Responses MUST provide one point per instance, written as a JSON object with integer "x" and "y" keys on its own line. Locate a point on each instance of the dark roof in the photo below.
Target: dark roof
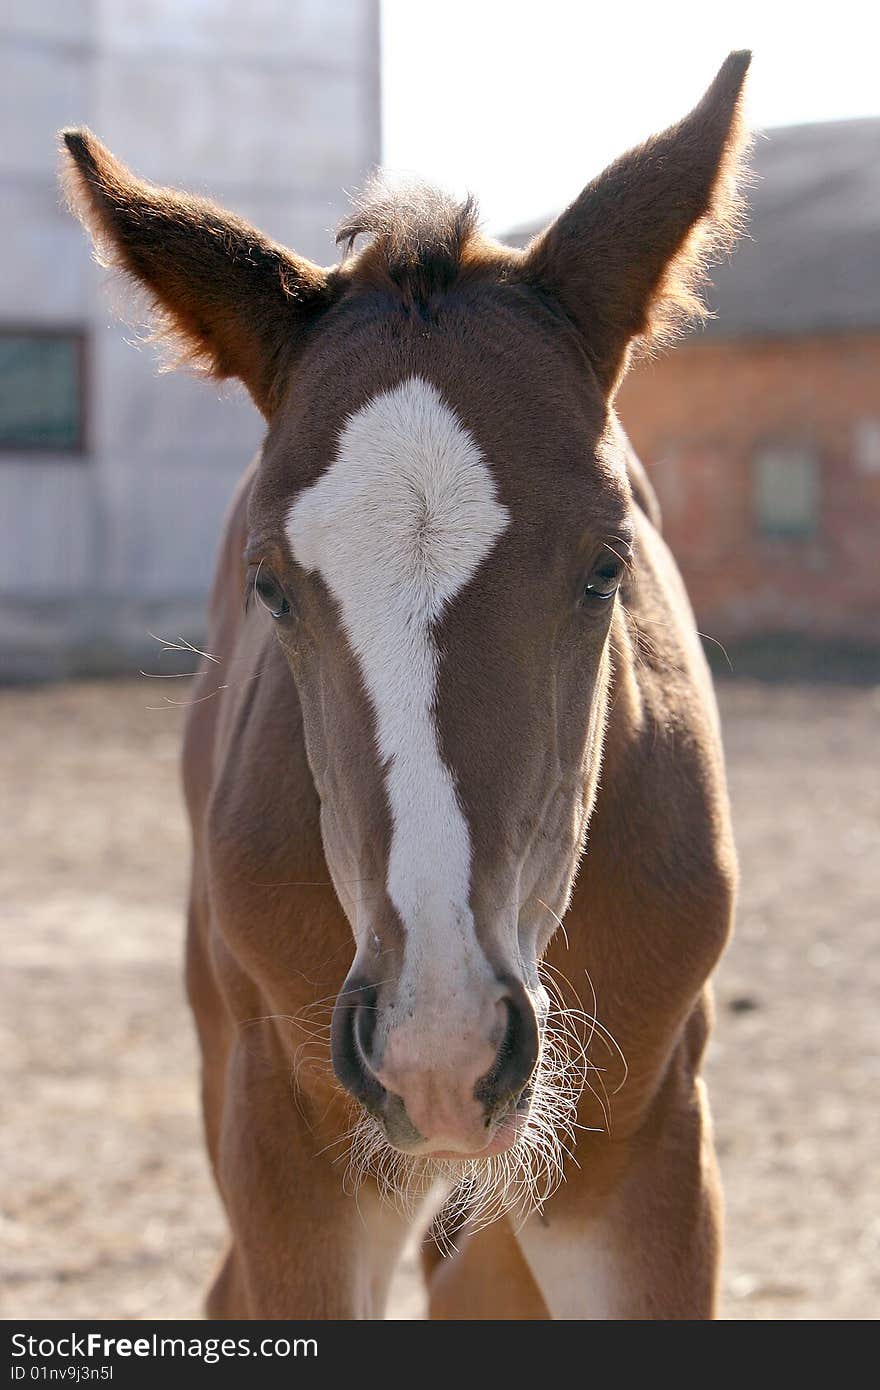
{"x": 811, "y": 260}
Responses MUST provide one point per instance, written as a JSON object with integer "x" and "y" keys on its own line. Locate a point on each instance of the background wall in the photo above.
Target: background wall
{"x": 766, "y": 457}
{"x": 270, "y": 107}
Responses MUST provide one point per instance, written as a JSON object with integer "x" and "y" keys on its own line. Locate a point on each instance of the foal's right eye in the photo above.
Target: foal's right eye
{"x": 270, "y": 592}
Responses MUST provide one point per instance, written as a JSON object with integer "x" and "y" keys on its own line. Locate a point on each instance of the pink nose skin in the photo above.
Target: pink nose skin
{"x": 503, "y": 1138}
{"x": 439, "y": 1100}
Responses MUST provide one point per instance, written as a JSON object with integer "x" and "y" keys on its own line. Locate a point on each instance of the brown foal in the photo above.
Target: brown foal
{"x": 462, "y": 699}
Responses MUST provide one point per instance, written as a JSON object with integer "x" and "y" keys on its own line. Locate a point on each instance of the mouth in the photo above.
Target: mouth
{"x": 503, "y": 1135}
{"x": 515, "y": 1164}
{"x": 506, "y": 1134}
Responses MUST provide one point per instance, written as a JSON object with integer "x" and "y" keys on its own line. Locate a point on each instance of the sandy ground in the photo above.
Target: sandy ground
{"x": 107, "y": 1207}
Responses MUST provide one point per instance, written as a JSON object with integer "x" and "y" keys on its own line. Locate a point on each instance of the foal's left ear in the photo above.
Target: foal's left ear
{"x": 628, "y": 257}
{"x": 230, "y": 301}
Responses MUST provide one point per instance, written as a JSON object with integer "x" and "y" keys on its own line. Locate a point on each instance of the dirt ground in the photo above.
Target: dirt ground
{"x": 107, "y": 1208}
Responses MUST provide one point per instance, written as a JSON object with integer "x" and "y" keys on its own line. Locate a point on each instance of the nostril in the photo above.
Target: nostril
{"x": 351, "y": 1035}
{"x": 507, "y": 1048}
{"x": 365, "y": 1026}
{"x": 517, "y": 1053}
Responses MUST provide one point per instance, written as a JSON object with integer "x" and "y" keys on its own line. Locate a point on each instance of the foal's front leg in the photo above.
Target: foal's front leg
{"x": 301, "y": 1246}
{"x": 649, "y": 1246}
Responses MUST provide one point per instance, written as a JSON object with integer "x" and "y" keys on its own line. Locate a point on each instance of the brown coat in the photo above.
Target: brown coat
{"x": 531, "y": 687}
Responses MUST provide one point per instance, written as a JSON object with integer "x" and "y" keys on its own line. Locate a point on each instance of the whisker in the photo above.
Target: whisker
{"x": 480, "y": 1191}
{"x": 557, "y": 919}
{"x": 182, "y": 645}
{"x": 706, "y": 638}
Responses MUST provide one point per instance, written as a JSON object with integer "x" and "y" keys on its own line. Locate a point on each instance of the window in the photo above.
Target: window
{"x": 786, "y": 490}
{"x": 42, "y": 391}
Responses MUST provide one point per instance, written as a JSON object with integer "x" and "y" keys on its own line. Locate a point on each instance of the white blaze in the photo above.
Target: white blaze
{"x": 396, "y": 526}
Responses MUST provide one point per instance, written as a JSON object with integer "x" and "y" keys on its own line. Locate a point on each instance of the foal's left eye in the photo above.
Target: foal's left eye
{"x": 270, "y": 593}
{"x": 604, "y": 581}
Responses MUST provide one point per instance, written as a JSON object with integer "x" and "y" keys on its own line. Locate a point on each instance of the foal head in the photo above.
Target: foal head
{"x": 440, "y": 528}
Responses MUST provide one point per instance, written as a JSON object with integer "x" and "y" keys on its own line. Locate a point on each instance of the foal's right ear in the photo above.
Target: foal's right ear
{"x": 232, "y": 302}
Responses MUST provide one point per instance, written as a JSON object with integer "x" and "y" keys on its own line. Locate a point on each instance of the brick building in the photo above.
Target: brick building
{"x": 762, "y": 432}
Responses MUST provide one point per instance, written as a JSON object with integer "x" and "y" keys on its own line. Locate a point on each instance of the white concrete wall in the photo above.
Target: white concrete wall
{"x": 271, "y": 108}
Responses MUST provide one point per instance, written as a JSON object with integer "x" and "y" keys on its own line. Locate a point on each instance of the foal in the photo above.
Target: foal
{"x": 457, "y": 658}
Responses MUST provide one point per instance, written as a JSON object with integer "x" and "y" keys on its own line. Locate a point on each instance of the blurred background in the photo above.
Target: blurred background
{"x": 762, "y": 436}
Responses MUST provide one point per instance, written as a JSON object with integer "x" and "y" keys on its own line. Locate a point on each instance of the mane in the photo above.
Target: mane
{"x": 420, "y": 238}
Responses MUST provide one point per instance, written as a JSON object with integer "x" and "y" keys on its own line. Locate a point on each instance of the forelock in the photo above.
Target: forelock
{"x": 419, "y": 237}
